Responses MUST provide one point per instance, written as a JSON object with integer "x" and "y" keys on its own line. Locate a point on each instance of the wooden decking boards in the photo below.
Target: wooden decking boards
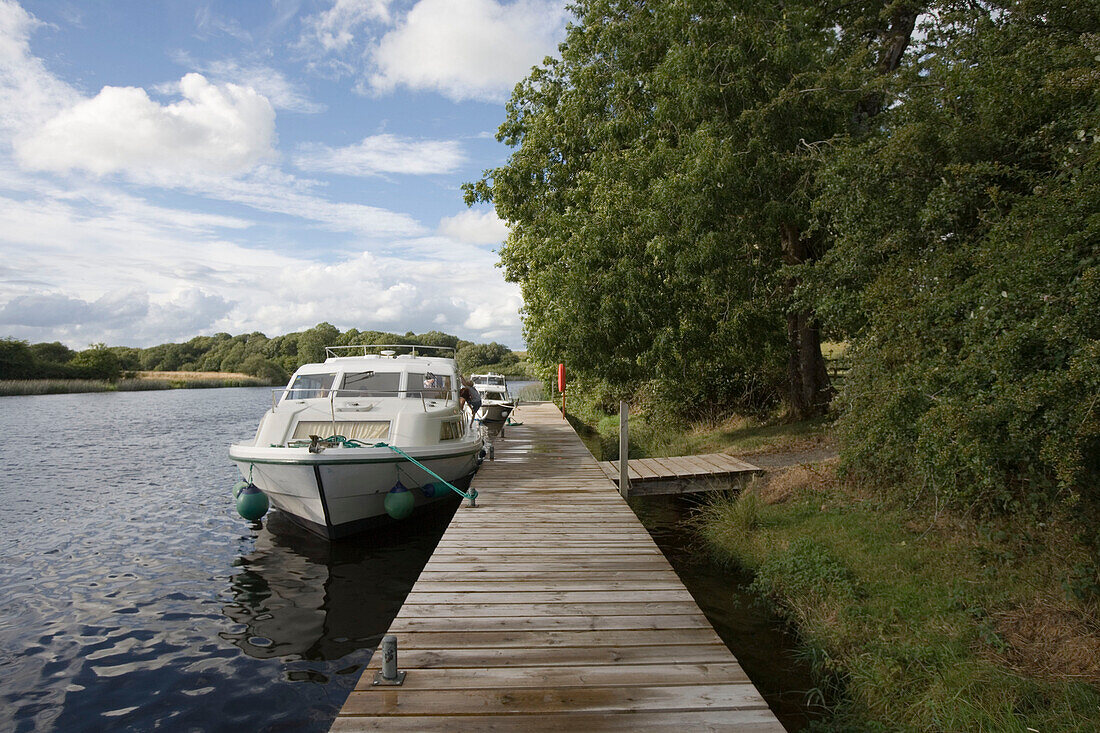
{"x": 549, "y": 607}
{"x": 680, "y": 474}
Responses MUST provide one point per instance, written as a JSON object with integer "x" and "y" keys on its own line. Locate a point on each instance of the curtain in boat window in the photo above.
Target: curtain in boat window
{"x": 450, "y": 430}
{"x": 364, "y": 430}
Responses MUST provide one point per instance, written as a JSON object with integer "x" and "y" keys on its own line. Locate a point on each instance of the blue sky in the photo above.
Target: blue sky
{"x": 169, "y": 169}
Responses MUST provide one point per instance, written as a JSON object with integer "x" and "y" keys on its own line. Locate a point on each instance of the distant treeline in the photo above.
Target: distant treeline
{"x": 255, "y": 354}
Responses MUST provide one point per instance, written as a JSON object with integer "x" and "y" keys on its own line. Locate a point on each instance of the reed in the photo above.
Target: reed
{"x": 13, "y": 387}
{"x": 10, "y": 387}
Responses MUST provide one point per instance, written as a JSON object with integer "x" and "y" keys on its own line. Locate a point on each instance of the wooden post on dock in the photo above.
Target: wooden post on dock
{"x": 561, "y": 386}
{"x": 624, "y": 448}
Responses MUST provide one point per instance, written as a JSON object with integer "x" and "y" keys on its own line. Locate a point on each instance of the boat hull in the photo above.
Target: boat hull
{"x": 494, "y": 412}
{"x": 342, "y": 492}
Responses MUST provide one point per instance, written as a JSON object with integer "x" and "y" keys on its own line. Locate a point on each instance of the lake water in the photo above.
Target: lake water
{"x": 132, "y": 596}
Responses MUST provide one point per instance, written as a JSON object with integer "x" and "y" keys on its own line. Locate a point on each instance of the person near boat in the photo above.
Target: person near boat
{"x": 470, "y": 396}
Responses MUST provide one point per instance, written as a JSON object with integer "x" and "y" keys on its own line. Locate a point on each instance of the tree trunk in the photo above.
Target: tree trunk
{"x": 810, "y": 389}
{"x": 894, "y": 39}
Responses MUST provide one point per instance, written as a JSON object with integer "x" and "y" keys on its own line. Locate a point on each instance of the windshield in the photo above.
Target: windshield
{"x": 370, "y": 384}
{"x": 308, "y": 386}
{"x": 432, "y": 386}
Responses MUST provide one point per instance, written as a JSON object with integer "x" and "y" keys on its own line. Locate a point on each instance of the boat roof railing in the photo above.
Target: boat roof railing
{"x": 446, "y": 352}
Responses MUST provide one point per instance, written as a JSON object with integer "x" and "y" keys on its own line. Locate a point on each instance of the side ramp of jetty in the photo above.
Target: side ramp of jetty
{"x": 549, "y": 607}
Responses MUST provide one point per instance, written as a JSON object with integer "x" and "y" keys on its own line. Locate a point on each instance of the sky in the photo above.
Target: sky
{"x": 175, "y": 168}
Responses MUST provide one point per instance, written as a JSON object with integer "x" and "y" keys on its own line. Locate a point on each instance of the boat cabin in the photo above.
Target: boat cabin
{"x": 367, "y": 397}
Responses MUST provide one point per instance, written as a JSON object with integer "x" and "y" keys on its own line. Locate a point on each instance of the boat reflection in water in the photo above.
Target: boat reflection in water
{"x": 300, "y": 597}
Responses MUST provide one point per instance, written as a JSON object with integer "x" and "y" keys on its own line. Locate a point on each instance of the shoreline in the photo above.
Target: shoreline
{"x": 201, "y": 380}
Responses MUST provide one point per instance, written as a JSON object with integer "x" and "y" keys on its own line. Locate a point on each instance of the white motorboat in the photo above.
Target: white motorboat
{"x": 496, "y": 403}
{"x": 333, "y": 452}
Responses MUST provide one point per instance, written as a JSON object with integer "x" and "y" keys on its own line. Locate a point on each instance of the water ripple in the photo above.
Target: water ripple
{"x": 133, "y": 597}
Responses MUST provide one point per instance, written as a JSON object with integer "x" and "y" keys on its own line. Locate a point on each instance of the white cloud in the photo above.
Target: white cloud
{"x": 140, "y": 275}
{"x": 215, "y": 130}
{"x": 128, "y": 318}
{"x": 462, "y": 294}
{"x": 475, "y": 227}
{"x": 29, "y": 94}
{"x": 268, "y": 189}
{"x": 208, "y": 22}
{"x": 88, "y": 256}
{"x": 385, "y": 153}
{"x": 335, "y": 28}
{"x": 467, "y": 49}
{"x": 265, "y": 80}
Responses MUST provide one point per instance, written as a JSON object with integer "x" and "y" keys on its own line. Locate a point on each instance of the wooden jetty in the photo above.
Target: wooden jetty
{"x": 549, "y": 607}
{"x": 680, "y": 474}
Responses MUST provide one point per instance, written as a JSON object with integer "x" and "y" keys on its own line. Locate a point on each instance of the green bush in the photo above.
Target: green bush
{"x": 98, "y": 362}
{"x": 966, "y": 270}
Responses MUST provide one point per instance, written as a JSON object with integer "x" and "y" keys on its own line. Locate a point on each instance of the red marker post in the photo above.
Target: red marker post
{"x": 561, "y": 387}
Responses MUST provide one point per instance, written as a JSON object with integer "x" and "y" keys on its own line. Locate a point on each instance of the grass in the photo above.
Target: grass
{"x": 162, "y": 380}
{"x": 918, "y": 621}
{"x": 652, "y": 437}
{"x": 914, "y": 618}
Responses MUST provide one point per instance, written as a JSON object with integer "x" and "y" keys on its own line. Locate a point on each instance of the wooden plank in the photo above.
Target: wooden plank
{"x": 654, "y": 608}
{"x": 584, "y": 639}
{"x": 720, "y": 465}
{"x": 663, "y": 469}
{"x": 469, "y": 657}
{"x": 718, "y": 462}
{"x": 685, "y": 466}
{"x": 701, "y": 467}
{"x": 576, "y": 676}
{"x": 731, "y": 464}
{"x": 645, "y": 468}
{"x": 545, "y": 623}
{"x": 547, "y": 596}
{"x": 543, "y": 576}
{"x": 554, "y": 699}
{"x": 549, "y": 607}
{"x": 474, "y": 569}
{"x": 601, "y": 585}
{"x": 743, "y": 721}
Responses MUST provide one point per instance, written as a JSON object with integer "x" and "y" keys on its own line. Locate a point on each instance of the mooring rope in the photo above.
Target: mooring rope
{"x": 353, "y": 443}
{"x": 471, "y": 495}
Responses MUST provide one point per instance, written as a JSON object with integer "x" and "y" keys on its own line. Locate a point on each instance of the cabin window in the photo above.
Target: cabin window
{"x": 499, "y": 396}
{"x": 431, "y": 385}
{"x": 450, "y": 430}
{"x": 308, "y": 386}
{"x": 361, "y": 430}
{"x": 370, "y": 384}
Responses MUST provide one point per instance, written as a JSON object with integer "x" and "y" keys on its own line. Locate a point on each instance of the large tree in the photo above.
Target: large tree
{"x": 662, "y": 183}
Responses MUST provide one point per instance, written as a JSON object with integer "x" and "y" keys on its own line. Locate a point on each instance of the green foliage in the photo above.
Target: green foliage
{"x": 268, "y": 359}
{"x": 966, "y": 268}
{"x": 655, "y": 163}
{"x": 472, "y": 356}
{"x": 312, "y": 343}
{"x": 98, "y": 362}
{"x": 16, "y": 359}
{"x": 805, "y": 569}
{"x": 52, "y": 353}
